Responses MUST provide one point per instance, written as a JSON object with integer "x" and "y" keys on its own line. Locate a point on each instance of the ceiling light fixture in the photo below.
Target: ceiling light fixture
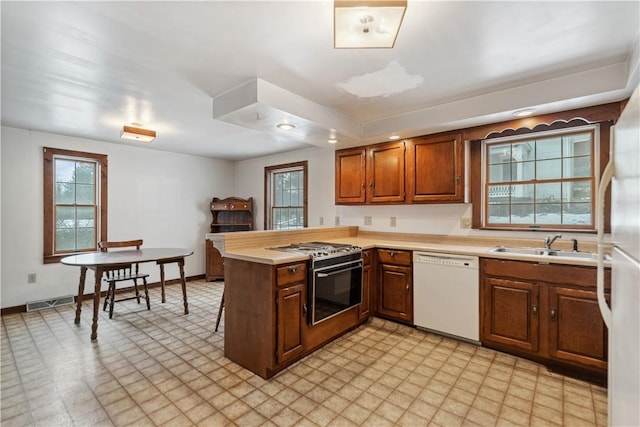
{"x": 332, "y": 141}
{"x": 285, "y": 126}
{"x": 394, "y": 137}
{"x": 361, "y": 24}
{"x": 137, "y": 134}
{"x": 523, "y": 113}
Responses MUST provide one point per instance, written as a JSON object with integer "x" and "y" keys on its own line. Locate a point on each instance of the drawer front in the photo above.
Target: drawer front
{"x": 293, "y": 273}
{"x": 239, "y": 206}
{"x": 392, "y": 256}
{"x": 219, "y": 206}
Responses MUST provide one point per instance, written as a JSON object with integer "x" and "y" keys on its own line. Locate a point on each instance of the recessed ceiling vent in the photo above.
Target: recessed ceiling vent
{"x": 265, "y": 107}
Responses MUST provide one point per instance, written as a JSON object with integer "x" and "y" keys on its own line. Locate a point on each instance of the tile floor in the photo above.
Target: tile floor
{"x": 164, "y": 368}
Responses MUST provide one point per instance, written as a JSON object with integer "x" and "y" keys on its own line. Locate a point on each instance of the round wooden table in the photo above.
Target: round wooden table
{"x": 98, "y": 261}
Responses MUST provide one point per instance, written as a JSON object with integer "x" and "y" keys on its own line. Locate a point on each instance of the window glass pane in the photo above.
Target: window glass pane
{"x": 65, "y": 239}
{"x": 523, "y": 151}
{"x": 500, "y": 172}
{"x": 523, "y": 171}
{"x": 500, "y": 194}
{"x": 522, "y": 193}
{"x": 577, "y": 145}
{"x": 500, "y": 153}
{"x": 548, "y": 213}
{"x": 576, "y": 167}
{"x": 294, "y": 179}
{"x": 548, "y": 193}
{"x": 577, "y": 191}
{"x": 499, "y": 214}
{"x": 86, "y": 238}
{"x": 85, "y": 173}
{"x": 522, "y": 213}
{"x": 576, "y": 213}
{"x": 548, "y": 169}
{"x": 549, "y": 148}
{"x": 65, "y": 217}
{"x": 65, "y": 170}
{"x": 85, "y": 194}
{"x": 85, "y": 217}
{"x": 65, "y": 194}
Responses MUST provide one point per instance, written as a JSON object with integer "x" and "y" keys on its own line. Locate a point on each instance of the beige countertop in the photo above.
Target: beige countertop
{"x": 268, "y": 256}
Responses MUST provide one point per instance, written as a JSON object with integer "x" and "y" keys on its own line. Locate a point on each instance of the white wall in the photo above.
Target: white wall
{"x": 158, "y": 196}
{"x": 444, "y": 219}
{"x": 320, "y": 167}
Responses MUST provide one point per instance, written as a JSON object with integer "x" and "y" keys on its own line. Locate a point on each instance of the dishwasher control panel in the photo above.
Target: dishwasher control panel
{"x": 445, "y": 259}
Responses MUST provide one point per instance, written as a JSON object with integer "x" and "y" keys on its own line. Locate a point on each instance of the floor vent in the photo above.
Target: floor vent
{"x": 55, "y": 302}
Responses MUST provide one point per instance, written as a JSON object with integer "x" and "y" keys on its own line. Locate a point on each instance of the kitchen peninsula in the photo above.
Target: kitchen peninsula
{"x": 266, "y": 297}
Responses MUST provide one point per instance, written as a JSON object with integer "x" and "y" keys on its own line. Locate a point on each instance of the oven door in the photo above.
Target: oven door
{"x": 334, "y": 289}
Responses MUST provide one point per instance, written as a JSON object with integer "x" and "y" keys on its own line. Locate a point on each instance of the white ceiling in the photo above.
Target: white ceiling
{"x": 87, "y": 68}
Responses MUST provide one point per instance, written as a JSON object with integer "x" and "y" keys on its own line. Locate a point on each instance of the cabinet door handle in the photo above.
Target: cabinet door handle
{"x": 534, "y": 310}
{"x": 553, "y": 314}
{"x": 458, "y": 179}
{"x": 293, "y": 269}
{"x": 363, "y": 185}
{"x": 371, "y": 184}
{"x": 392, "y": 253}
{"x": 406, "y": 287}
{"x": 304, "y": 310}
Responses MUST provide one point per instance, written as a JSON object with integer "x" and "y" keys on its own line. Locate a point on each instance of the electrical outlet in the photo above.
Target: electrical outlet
{"x": 321, "y": 220}
{"x": 465, "y": 222}
{"x": 392, "y": 221}
{"x": 367, "y": 220}
{"x": 31, "y": 278}
{"x": 337, "y": 221}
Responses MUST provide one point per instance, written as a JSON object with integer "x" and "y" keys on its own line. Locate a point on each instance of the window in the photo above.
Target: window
{"x": 75, "y": 202}
{"x": 541, "y": 181}
{"x": 286, "y": 196}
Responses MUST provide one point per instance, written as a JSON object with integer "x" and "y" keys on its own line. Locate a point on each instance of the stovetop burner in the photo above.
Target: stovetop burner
{"x": 319, "y": 250}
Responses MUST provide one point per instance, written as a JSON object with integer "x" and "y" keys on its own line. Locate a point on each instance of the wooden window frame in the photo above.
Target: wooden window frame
{"x": 268, "y": 173}
{"x": 605, "y": 115}
{"x": 49, "y": 254}
{"x": 593, "y": 179}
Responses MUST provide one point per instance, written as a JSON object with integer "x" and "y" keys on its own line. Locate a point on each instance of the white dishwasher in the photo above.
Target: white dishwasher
{"x": 446, "y": 294}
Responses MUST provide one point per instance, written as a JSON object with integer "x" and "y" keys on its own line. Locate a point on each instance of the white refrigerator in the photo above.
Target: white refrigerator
{"x": 623, "y": 317}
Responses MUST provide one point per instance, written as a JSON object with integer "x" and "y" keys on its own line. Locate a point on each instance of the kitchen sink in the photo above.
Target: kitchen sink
{"x": 522, "y": 251}
{"x": 547, "y": 252}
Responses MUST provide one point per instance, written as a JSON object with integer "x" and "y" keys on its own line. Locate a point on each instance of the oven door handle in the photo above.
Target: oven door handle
{"x": 322, "y": 275}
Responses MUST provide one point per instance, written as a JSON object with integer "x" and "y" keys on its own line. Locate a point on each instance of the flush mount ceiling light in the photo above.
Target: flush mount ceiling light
{"x": 137, "y": 134}
{"x": 361, "y": 24}
{"x": 394, "y": 137}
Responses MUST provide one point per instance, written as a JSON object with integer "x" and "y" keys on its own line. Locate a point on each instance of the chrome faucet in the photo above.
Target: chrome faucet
{"x": 549, "y": 240}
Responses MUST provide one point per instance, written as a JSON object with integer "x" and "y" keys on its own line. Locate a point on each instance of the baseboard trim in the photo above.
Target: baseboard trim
{"x": 23, "y": 308}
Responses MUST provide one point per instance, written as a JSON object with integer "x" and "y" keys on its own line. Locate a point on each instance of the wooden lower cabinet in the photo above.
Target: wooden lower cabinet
{"x": 266, "y": 327}
{"x": 394, "y": 296}
{"x": 576, "y": 331}
{"x": 511, "y": 313}
{"x": 291, "y": 318}
{"x": 546, "y": 312}
{"x": 214, "y": 265}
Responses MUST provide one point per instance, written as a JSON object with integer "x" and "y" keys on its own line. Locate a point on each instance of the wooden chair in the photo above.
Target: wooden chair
{"x": 220, "y": 311}
{"x": 123, "y": 273}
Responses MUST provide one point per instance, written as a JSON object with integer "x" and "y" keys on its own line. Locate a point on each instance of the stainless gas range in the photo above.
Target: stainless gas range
{"x": 335, "y": 277}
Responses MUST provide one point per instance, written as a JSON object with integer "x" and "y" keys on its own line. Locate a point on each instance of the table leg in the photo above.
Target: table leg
{"x": 96, "y": 304}
{"x": 184, "y": 285}
{"x": 83, "y": 275}
{"x": 162, "y": 281}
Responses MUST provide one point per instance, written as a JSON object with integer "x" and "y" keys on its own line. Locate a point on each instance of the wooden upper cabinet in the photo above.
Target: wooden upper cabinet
{"x": 385, "y": 171}
{"x": 350, "y": 175}
{"x": 435, "y": 169}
